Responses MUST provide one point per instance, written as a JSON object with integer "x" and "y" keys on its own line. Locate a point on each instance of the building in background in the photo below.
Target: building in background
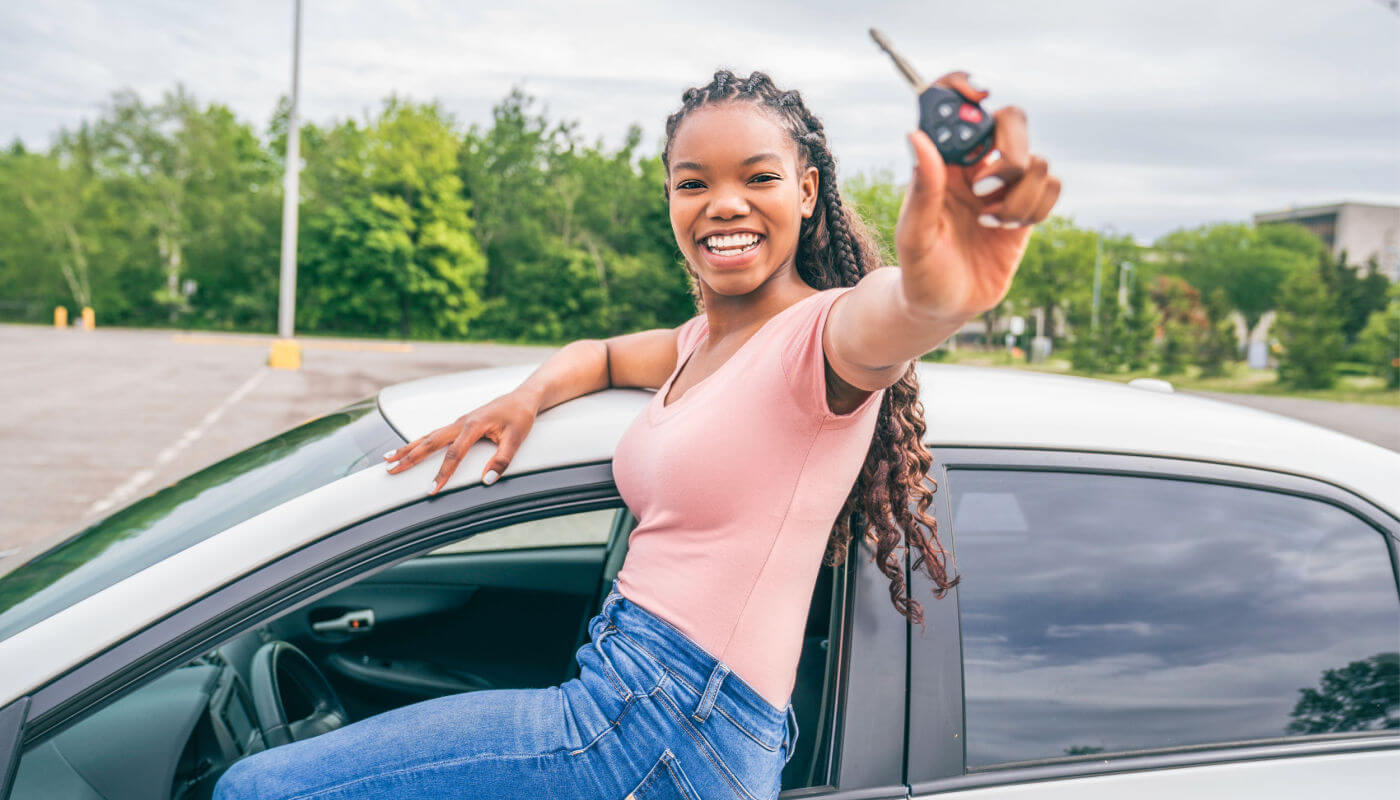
{"x": 1362, "y": 230}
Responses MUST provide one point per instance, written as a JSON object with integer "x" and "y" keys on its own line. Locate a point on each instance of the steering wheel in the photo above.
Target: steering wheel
{"x": 281, "y": 672}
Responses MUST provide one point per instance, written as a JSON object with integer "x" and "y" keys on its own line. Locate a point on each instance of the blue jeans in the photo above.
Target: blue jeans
{"x": 651, "y": 715}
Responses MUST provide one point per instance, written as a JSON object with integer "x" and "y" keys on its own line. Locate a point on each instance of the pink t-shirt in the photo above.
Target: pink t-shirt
{"x": 736, "y": 486}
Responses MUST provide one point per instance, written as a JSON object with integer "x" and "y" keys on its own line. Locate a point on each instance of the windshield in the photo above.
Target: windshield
{"x": 193, "y": 509}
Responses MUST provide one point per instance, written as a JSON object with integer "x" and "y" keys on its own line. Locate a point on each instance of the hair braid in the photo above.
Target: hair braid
{"x": 890, "y": 498}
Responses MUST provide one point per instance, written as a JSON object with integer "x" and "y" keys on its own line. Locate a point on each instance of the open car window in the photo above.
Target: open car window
{"x": 586, "y": 528}
{"x": 193, "y": 509}
{"x": 448, "y": 620}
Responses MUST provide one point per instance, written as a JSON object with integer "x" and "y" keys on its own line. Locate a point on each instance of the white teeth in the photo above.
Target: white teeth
{"x": 733, "y": 251}
{"x": 731, "y": 241}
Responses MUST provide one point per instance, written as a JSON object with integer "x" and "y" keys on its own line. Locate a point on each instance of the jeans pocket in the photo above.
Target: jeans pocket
{"x": 665, "y": 781}
{"x": 749, "y": 767}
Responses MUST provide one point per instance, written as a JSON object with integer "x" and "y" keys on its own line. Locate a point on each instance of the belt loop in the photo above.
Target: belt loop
{"x": 707, "y": 700}
{"x": 611, "y": 600}
{"x": 613, "y": 674}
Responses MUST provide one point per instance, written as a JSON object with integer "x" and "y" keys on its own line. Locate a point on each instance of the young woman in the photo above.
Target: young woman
{"x": 786, "y": 418}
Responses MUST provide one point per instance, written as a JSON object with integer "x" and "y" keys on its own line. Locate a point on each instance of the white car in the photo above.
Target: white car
{"x": 1162, "y": 596}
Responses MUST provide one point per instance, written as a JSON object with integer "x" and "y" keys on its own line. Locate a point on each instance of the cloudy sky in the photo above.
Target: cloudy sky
{"x": 1156, "y": 115}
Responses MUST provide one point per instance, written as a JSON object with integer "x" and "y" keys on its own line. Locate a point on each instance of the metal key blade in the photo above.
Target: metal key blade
{"x": 904, "y": 67}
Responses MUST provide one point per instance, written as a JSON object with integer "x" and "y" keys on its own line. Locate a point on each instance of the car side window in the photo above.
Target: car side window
{"x": 1114, "y": 614}
{"x": 583, "y": 528}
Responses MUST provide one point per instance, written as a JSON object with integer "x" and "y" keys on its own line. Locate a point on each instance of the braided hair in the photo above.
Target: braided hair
{"x": 889, "y": 500}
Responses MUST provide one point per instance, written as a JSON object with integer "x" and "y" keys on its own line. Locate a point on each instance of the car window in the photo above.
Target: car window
{"x": 193, "y": 509}
{"x": 1107, "y": 614}
{"x": 585, "y": 528}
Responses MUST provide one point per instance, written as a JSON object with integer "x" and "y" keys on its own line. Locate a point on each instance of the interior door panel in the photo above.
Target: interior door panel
{"x": 452, "y": 622}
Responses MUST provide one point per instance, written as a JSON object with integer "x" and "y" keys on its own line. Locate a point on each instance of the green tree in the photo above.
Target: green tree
{"x": 1183, "y": 319}
{"x": 1310, "y": 331}
{"x": 389, "y": 241}
{"x": 232, "y": 221}
{"x": 578, "y": 238}
{"x": 44, "y": 244}
{"x": 1362, "y": 696}
{"x": 1218, "y": 345}
{"x": 1250, "y": 264}
{"x": 877, "y": 199}
{"x": 1356, "y": 297}
{"x": 1141, "y": 319}
{"x": 1057, "y": 271}
{"x": 1380, "y": 339}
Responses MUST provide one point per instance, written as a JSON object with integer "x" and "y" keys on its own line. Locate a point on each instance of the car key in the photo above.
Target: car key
{"x": 960, "y": 129}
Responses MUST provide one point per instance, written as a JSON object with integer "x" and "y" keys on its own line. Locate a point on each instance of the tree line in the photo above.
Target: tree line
{"x": 169, "y": 214}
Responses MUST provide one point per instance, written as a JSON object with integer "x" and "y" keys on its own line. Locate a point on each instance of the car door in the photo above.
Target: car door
{"x": 1132, "y": 626}
{"x": 852, "y": 674}
{"x": 292, "y": 581}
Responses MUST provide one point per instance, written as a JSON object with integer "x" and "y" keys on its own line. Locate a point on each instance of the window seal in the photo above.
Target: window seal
{"x": 1216, "y": 755}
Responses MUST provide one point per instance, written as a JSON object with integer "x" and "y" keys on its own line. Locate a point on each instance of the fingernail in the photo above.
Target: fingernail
{"x": 1010, "y": 224}
{"x": 989, "y": 221}
{"x": 491, "y": 476}
{"x": 432, "y": 488}
{"x": 987, "y": 185}
{"x": 388, "y": 455}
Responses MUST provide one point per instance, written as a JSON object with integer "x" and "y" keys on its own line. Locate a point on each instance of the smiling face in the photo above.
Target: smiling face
{"x": 734, "y": 169}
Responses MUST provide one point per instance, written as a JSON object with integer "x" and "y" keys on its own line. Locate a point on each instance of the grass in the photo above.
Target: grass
{"x": 1238, "y": 378}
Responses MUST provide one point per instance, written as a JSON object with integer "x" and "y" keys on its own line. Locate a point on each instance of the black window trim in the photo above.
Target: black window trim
{"x": 866, "y": 750}
{"x": 937, "y": 714}
{"x": 11, "y": 731}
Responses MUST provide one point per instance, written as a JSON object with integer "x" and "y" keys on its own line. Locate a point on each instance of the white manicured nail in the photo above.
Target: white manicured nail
{"x": 987, "y": 185}
{"x": 989, "y": 221}
{"x": 386, "y": 455}
{"x": 491, "y": 476}
{"x": 1010, "y": 224}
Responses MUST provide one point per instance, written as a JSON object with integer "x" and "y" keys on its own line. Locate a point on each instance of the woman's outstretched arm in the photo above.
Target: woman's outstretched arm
{"x": 960, "y": 237}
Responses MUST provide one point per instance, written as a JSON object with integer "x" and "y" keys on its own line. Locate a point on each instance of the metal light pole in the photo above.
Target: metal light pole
{"x": 286, "y": 353}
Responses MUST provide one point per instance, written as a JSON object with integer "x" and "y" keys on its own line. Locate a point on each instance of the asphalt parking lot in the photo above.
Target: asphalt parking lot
{"x": 96, "y": 419}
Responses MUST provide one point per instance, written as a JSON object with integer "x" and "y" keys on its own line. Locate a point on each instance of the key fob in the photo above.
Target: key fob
{"x": 959, "y": 128}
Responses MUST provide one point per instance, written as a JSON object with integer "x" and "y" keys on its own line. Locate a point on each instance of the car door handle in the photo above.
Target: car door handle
{"x": 361, "y": 621}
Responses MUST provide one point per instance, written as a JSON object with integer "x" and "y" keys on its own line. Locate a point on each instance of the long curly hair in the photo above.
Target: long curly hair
{"x": 889, "y": 500}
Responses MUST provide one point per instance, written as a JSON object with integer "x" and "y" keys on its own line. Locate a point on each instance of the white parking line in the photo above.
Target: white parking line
{"x": 134, "y": 484}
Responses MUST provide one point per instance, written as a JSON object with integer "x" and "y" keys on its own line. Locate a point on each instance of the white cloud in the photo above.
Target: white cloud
{"x": 1155, "y": 115}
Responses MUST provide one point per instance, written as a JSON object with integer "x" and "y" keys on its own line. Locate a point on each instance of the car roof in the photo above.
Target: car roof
{"x": 1000, "y": 407}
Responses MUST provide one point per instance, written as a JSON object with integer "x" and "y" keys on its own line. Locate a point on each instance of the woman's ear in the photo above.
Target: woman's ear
{"x": 811, "y": 182}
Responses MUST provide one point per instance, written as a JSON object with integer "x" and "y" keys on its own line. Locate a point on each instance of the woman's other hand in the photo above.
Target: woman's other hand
{"x": 507, "y": 420}
{"x": 962, "y": 230}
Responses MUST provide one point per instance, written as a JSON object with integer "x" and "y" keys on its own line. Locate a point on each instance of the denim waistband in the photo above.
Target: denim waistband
{"x": 706, "y": 675}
